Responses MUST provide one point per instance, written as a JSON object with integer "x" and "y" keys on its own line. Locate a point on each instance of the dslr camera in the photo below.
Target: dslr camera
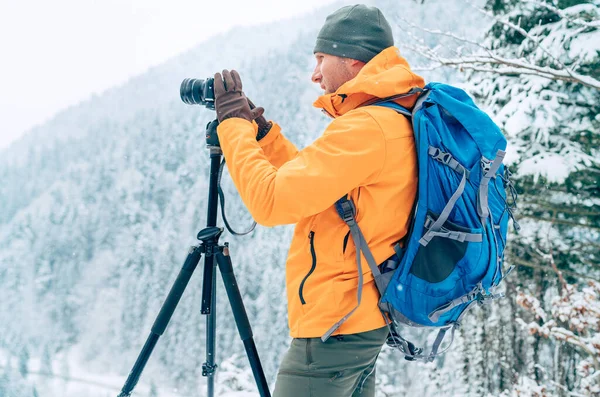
{"x": 198, "y": 92}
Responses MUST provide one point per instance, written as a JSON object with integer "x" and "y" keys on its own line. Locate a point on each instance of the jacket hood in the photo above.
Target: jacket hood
{"x": 387, "y": 74}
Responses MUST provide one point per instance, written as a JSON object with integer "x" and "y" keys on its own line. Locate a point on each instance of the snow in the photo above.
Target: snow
{"x": 554, "y": 167}
{"x": 99, "y": 207}
{"x": 74, "y": 380}
{"x": 585, "y": 47}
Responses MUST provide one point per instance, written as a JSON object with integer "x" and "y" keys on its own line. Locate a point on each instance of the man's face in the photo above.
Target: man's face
{"x": 331, "y": 72}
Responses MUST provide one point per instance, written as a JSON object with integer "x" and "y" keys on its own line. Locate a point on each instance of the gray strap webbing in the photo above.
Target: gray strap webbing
{"x": 404, "y": 112}
{"x": 434, "y": 316}
{"x": 359, "y": 298}
{"x": 482, "y": 198}
{"x": 446, "y": 158}
{"x": 436, "y": 345}
{"x": 361, "y": 246}
{"x": 400, "y": 343}
{"x": 453, "y": 234}
{"x": 437, "y": 225}
{"x": 458, "y": 236}
{"x": 420, "y": 101}
{"x": 358, "y": 237}
{"x": 413, "y": 91}
{"x": 438, "y": 341}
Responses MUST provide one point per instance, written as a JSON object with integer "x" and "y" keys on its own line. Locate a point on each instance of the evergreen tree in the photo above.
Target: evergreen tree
{"x": 24, "y": 361}
{"x": 553, "y": 126}
{"x": 538, "y": 73}
{"x": 544, "y": 91}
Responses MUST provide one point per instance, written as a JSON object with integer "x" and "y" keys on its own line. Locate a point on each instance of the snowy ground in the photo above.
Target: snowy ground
{"x": 78, "y": 382}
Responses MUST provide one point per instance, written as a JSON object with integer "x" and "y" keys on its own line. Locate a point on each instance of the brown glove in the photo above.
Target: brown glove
{"x": 264, "y": 126}
{"x": 230, "y": 100}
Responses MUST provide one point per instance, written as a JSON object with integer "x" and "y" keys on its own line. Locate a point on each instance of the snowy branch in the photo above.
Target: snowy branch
{"x": 508, "y": 66}
{"x": 522, "y": 31}
{"x": 488, "y": 61}
{"x": 563, "y": 15}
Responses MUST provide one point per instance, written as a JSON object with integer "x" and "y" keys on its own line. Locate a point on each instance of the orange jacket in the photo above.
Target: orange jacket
{"x": 367, "y": 152}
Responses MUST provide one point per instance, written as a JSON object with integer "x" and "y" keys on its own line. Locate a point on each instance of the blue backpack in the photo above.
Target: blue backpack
{"x": 452, "y": 256}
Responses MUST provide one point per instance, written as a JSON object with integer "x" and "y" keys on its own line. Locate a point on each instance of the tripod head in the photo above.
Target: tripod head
{"x": 212, "y": 139}
{"x": 210, "y": 234}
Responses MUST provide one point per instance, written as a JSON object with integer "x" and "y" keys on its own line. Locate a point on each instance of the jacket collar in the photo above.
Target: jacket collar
{"x": 387, "y": 74}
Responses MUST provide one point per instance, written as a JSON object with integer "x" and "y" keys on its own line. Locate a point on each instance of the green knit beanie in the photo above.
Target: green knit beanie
{"x": 357, "y": 32}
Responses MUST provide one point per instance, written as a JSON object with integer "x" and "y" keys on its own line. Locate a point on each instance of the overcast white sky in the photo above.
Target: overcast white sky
{"x": 69, "y": 46}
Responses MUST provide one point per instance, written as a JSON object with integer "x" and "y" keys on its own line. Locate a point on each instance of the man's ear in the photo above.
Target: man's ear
{"x": 356, "y": 62}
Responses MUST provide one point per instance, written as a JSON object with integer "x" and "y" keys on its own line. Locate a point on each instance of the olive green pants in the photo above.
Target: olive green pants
{"x": 344, "y": 366}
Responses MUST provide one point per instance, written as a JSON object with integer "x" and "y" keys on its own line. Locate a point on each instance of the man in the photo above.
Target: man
{"x": 367, "y": 153}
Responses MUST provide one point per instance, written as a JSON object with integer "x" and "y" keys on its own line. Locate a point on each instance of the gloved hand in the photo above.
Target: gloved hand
{"x": 230, "y": 100}
{"x": 264, "y": 126}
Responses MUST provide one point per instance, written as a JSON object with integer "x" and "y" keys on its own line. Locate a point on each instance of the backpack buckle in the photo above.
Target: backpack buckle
{"x": 346, "y": 210}
{"x": 485, "y": 165}
{"x": 484, "y": 299}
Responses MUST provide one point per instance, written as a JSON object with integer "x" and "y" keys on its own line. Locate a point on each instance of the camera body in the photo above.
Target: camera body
{"x": 198, "y": 92}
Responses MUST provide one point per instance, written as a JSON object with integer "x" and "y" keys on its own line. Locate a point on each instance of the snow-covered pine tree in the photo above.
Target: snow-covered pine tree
{"x": 538, "y": 74}
{"x": 551, "y": 118}
{"x": 542, "y": 70}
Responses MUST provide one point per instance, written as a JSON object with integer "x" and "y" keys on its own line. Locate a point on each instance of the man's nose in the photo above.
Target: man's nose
{"x": 316, "y": 76}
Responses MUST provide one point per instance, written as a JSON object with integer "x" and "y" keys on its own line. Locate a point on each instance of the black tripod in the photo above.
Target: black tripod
{"x": 211, "y": 249}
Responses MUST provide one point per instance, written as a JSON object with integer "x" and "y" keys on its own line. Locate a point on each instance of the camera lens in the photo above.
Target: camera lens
{"x": 191, "y": 91}
{"x": 198, "y": 92}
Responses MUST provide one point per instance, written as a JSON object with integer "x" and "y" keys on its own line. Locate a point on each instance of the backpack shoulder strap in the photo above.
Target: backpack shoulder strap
{"x": 347, "y": 211}
{"x": 393, "y": 105}
{"x": 389, "y": 102}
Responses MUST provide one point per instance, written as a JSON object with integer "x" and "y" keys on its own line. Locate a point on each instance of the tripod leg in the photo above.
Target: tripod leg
{"x": 209, "y": 367}
{"x": 241, "y": 320}
{"x": 163, "y": 318}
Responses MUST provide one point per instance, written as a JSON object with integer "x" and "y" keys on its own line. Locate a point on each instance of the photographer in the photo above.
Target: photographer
{"x": 367, "y": 153}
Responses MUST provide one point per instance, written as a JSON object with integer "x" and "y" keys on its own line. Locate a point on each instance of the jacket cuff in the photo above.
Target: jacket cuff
{"x": 273, "y": 133}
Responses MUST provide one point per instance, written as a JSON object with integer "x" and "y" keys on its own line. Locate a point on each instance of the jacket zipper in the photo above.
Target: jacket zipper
{"x": 345, "y": 242}
{"x": 311, "y": 236}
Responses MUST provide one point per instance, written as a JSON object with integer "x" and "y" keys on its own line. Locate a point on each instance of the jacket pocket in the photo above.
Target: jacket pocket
{"x": 313, "y": 254}
{"x": 312, "y": 374}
